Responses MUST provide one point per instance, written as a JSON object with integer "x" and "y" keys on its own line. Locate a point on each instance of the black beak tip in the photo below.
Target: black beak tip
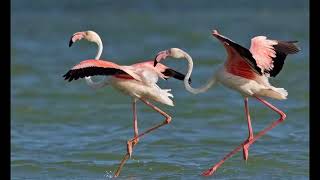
{"x": 155, "y": 62}
{"x": 70, "y": 43}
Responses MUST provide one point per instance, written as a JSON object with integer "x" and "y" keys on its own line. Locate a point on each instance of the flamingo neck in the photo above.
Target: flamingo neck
{"x": 96, "y": 85}
{"x": 100, "y": 49}
{"x": 202, "y": 89}
{"x": 99, "y": 84}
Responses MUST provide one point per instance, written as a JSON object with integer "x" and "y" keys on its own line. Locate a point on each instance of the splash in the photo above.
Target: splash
{"x": 108, "y": 175}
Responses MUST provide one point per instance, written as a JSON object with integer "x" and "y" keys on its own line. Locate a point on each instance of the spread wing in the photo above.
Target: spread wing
{"x": 242, "y": 51}
{"x": 265, "y": 56}
{"x": 270, "y": 54}
{"x": 94, "y": 67}
{"x": 162, "y": 70}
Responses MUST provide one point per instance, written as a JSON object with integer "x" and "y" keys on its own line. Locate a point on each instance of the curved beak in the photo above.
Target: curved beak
{"x": 76, "y": 37}
{"x": 155, "y": 62}
{"x": 70, "y": 42}
{"x": 161, "y": 56}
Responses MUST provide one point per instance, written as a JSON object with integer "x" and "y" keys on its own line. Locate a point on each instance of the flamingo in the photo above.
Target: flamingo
{"x": 138, "y": 81}
{"x": 245, "y": 71}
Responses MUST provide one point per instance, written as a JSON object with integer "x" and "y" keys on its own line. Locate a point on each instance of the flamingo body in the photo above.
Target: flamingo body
{"x": 245, "y": 71}
{"x": 141, "y": 90}
{"x": 259, "y": 86}
{"x": 137, "y": 80}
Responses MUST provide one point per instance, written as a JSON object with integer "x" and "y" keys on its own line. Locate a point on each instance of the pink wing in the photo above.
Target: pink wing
{"x": 95, "y": 63}
{"x": 93, "y": 67}
{"x": 162, "y": 70}
{"x": 262, "y": 50}
{"x": 149, "y": 64}
{"x": 265, "y": 56}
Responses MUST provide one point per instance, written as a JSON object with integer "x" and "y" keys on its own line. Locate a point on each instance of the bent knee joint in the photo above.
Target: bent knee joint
{"x": 282, "y": 116}
{"x": 168, "y": 120}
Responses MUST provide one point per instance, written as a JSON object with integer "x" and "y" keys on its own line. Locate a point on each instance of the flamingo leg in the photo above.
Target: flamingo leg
{"x": 246, "y": 145}
{"x": 135, "y": 120}
{"x": 136, "y": 132}
{"x": 211, "y": 170}
{"x": 123, "y": 161}
{"x": 166, "y": 121}
{"x": 130, "y": 143}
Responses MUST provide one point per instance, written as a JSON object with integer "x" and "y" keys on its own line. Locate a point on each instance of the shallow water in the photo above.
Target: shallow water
{"x": 62, "y": 130}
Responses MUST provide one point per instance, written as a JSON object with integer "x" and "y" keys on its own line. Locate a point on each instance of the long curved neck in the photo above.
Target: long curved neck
{"x": 202, "y": 89}
{"x": 100, "y": 49}
{"x": 96, "y": 85}
{"x": 99, "y": 84}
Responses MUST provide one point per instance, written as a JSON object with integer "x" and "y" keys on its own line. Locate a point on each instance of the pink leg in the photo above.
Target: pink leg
{"x": 135, "y": 120}
{"x": 261, "y": 133}
{"x": 136, "y": 132}
{"x": 130, "y": 143}
{"x": 246, "y": 146}
{"x": 166, "y": 121}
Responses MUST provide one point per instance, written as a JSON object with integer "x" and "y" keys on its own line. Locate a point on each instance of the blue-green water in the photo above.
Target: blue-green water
{"x": 62, "y": 130}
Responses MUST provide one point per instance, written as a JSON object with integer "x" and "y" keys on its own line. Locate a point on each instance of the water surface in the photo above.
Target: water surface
{"x": 62, "y": 130}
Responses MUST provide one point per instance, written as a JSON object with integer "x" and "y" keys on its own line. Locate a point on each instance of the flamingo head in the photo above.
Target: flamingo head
{"x": 172, "y": 52}
{"x": 87, "y": 35}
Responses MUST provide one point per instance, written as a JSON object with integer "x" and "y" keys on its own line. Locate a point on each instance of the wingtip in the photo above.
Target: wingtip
{"x": 296, "y": 45}
{"x": 298, "y": 48}
{"x": 66, "y": 78}
{"x": 293, "y": 46}
{"x": 215, "y": 32}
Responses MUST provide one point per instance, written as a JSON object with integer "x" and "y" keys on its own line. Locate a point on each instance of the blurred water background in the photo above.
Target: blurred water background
{"x": 62, "y": 130}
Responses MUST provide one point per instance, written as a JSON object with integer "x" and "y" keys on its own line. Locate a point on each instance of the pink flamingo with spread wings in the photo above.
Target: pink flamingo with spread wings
{"x": 138, "y": 81}
{"x": 246, "y": 71}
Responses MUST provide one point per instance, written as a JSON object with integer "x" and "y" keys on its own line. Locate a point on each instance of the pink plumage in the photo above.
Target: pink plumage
{"x": 263, "y": 51}
{"x": 137, "y": 80}
{"x": 247, "y": 72}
